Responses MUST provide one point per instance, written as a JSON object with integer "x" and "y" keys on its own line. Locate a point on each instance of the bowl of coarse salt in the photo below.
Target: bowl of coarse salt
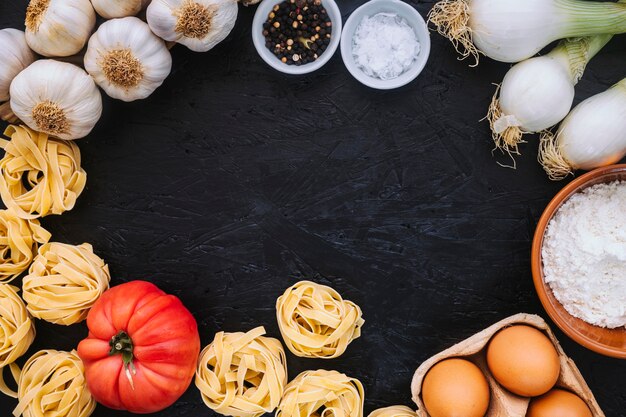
{"x": 385, "y": 44}
{"x": 579, "y": 260}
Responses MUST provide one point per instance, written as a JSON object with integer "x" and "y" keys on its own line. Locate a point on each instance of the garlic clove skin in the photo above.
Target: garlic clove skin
{"x": 15, "y": 55}
{"x": 126, "y": 59}
{"x": 111, "y": 9}
{"x": 56, "y": 98}
{"x": 59, "y": 27}
{"x": 197, "y": 24}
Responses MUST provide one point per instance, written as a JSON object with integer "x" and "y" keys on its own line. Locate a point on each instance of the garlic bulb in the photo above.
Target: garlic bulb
{"x": 56, "y": 98}
{"x": 126, "y": 59}
{"x": 197, "y": 24}
{"x": 110, "y": 9}
{"x": 59, "y": 27}
{"x": 15, "y": 55}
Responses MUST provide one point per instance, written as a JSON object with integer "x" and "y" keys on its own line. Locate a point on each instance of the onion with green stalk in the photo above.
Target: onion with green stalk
{"x": 591, "y": 136}
{"x": 514, "y": 30}
{"x": 537, "y": 93}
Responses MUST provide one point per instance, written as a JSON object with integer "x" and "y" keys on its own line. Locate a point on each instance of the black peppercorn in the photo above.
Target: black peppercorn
{"x": 298, "y": 31}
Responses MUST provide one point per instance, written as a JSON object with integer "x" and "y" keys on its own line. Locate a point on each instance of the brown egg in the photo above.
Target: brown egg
{"x": 523, "y": 360}
{"x": 455, "y": 388}
{"x": 558, "y": 403}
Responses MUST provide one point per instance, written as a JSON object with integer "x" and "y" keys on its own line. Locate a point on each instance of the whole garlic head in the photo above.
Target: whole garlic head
{"x": 56, "y": 98}
{"x": 59, "y": 27}
{"x": 110, "y": 9}
{"x": 15, "y": 55}
{"x": 126, "y": 59}
{"x": 197, "y": 24}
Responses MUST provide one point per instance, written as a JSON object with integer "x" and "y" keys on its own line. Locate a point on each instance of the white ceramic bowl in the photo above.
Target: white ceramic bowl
{"x": 413, "y": 18}
{"x": 260, "y": 17}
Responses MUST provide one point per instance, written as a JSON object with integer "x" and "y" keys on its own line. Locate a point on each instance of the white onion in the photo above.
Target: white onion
{"x": 591, "y": 136}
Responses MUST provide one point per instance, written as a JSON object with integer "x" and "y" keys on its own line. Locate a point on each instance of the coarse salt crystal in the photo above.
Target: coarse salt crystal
{"x": 384, "y": 46}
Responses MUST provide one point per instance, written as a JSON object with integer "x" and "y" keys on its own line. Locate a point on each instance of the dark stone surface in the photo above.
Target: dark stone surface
{"x": 233, "y": 181}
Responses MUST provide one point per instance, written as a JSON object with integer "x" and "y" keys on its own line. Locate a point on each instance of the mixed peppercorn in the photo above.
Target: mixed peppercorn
{"x": 298, "y": 31}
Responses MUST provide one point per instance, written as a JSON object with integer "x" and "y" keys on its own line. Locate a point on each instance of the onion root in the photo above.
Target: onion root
{"x": 551, "y": 158}
{"x": 508, "y": 140}
{"x": 451, "y": 17}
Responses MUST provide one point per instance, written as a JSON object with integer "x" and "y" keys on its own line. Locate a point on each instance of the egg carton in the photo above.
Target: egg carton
{"x": 504, "y": 403}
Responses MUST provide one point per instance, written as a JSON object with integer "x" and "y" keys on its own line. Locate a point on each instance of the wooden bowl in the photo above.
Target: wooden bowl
{"x": 609, "y": 342}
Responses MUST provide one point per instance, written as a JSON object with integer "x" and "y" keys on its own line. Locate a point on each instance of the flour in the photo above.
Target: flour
{"x": 384, "y": 46}
{"x": 584, "y": 255}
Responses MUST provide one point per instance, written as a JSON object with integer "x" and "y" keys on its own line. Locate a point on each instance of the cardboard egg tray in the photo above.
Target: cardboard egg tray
{"x": 504, "y": 403}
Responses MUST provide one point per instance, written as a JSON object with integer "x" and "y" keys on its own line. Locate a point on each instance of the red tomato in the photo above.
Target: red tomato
{"x": 142, "y": 348}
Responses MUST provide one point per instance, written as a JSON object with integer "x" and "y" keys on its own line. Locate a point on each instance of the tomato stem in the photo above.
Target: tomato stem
{"x": 122, "y": 344}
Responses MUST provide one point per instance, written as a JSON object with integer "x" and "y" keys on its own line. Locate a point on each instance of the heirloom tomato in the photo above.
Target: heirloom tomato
{"x": 142, "y": 348}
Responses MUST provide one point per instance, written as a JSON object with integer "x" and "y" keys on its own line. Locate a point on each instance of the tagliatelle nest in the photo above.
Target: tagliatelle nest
{"x": 52, "y": 383}
{"x": 19, "y": 239}
{"x": 64, "y": 282}
{"x": 242, "y": 374}
{"x": 393, "y": 411}
{"x": 17, "y": 331}
{"x": 322, "y": 393}
{"x": 316, "y": 322}
{"x": 39, "y": 175}
{"x": 451, "y": 17}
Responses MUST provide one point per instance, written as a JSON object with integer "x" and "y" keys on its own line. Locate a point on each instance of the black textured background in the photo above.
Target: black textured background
{"x": 233, "y": 181}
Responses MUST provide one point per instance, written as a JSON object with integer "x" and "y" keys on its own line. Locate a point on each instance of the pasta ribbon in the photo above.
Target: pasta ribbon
{"x": 242, "y": 374}
{"x": 17, "y": 331}
{"x": 64, "y": 282}
{"x": 52, "y": 383}
{"x": 39, "y": 175}
{"x": 316, "y": 322}
{"x": 393, "y": 411}
{"x": 19, "y": 240}
{"x": 322, "y": 394}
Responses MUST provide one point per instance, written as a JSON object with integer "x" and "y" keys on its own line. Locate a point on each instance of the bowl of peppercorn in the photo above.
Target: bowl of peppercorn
{"x": 297, "y": 36}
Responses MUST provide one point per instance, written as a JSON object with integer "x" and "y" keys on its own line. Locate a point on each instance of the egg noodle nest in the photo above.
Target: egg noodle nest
{"x": 64, "y": 282}
{"x": 242, "y": 374}
{"x": 19, "y": 240}
{"x": 316, "y": 322}
{"x": 40, "y": 175}
{"x": 322, "y": 393}
{"x": 17, "y": 332}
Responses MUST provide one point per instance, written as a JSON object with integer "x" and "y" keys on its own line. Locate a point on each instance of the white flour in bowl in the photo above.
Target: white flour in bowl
{"x": 584, "y": 255}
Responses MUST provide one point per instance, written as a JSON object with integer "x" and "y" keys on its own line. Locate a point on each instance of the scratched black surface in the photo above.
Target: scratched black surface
{"x": 233, "y": 181}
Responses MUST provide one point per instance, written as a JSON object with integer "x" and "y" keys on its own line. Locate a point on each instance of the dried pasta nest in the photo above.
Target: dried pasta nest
{"x": 52, "y": 383}
{"x": 17, "y": 331}
{"x": 393, "y": 411}
{"x": 39, "y": 175}
{"x": 242, "y": 374}
{"x": 316, "y": 322}
{"x": 322, "y": 394}
{"x": 19, "y": 239}
{"x": 64, "y": 282}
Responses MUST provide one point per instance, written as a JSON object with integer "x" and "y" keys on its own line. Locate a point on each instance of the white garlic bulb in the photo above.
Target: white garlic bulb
{"x": 56, "y": 98}
{"x": 15, "y": 55}
{"x": 126, "y": 59}
{"x": 110, "y": 9}
{"x": 197, "y": 24}
{"x": 59, "y": 27}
